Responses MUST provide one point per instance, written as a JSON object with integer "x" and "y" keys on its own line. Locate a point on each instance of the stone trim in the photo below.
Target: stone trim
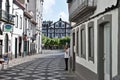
{"x": 90, "y": 25}
{"x": 103, "y": 20}
{"x": 82, "y": 28}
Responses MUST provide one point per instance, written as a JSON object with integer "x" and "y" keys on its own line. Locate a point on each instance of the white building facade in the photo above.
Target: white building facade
{"x": 20, "y": 29}
{"x": 17, "y": 33}
{"x": 95, "y": 38}
{"x": 39, "y": 18}
{"x": 6, "y": 25}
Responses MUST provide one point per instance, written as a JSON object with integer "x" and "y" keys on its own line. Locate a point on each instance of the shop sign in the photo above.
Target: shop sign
{"x": 7, "y": 27}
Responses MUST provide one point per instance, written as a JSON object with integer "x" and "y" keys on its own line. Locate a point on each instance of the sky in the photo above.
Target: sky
{"x": 54, "y": 9}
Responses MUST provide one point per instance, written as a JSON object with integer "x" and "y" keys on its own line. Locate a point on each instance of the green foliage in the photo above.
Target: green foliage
{"x": 44, "y": 39}
{"x": 65, "y": 40}
{"x": 55, "y": 41}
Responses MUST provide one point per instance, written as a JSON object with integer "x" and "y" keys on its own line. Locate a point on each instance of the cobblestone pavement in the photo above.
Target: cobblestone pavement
{"x": 50, "y": 67}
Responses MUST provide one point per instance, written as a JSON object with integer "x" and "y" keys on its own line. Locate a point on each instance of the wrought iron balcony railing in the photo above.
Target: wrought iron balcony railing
{"x": 79, "y": 7}
{"x": 5, "y": 16}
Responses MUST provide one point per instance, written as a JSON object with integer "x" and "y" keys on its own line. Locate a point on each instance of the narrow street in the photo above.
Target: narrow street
{"x": 46, "y": 66}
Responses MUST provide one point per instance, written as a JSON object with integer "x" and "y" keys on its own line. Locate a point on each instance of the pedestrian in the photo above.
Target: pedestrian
{"x": 66, "y": 56}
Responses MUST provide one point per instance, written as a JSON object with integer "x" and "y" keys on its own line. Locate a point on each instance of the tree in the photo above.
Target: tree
{"x": 65, "y": 40}
{"x": 60, "y": 42}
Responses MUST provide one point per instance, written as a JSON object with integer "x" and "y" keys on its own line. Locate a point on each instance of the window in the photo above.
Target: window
{"x": 26, "y": 6}
{"x": 20, "y": 22}
{"x": 59, "y": 24}
{"x": 0, "y": 4}
{"x": 83, "y": 42}
{"x": 56, "y": 25}
{"x": 16, "y": 21}
{"x": 77, "y": 43}
{"x": 7, "y": 6}
{"x": 91, "y": 41}
{"x": 63, "y": 25}
{"x": 25, "y": 26}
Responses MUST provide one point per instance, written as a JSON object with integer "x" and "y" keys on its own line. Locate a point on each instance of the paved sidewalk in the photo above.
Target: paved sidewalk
{"x": 20, "y": 60}
{"x": 45, "y": 66}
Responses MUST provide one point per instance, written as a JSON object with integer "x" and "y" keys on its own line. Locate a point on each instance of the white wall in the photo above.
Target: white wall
{"x": 114, "y": 42}
{"x": 19, "y": 12}
{"x": 17, "y": 31}
{"x": 39, "y": 8}
{"x": 3, "y": 23}
{"x": 102, "y": 4}
{"x": 89, "y": 64}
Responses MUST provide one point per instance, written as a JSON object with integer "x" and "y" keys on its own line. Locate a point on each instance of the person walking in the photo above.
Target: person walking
{"x": 66, "y": 56}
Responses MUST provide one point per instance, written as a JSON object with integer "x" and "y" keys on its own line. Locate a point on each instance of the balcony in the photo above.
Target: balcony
{"x": 6, "y": 17}
{"x": 80, "y": 9}
{"x": 28, "y": 14}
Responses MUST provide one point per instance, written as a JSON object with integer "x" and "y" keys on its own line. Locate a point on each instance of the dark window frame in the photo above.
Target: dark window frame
{"x": 7, "y": 6}
{"x": 17, "y": 21}
{"x": 90, "y": 41}
{"x": 21, "y": 22}
{"x": 0, "y": 4}
{"x": 83, "y": 53}
{"x": 77, "y": 42}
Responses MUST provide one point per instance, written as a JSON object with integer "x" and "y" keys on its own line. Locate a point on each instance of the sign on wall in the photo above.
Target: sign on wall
{"x": 7, "y": 27}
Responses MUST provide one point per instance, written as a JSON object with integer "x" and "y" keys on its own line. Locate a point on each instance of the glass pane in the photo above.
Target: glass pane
{"x": 83, "y": 42}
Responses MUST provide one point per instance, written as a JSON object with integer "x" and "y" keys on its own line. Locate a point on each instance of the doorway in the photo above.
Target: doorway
{"x": 104, "y": 51}
{"x": 73, "y": 44}
{"x": 15, "y": 47}
{"x": 6, "y": 43}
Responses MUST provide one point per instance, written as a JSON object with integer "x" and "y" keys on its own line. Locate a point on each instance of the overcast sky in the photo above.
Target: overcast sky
{"x": 54, "y": 9}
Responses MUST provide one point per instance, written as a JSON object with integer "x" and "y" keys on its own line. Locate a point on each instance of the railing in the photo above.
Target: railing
{"x": 78, "y": 5}
{"x": 4, "y": 15}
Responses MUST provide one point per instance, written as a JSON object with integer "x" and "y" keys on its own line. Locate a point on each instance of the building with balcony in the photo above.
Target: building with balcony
{"x": 95, "y": 38}
{"x": 57, "y": 29}
{"x": 39, "y": 18}
{"x": 32, "y": 26}
{"x": 17, "y": 32}
{"x": 36, "y": 8}
{"x": 6, "y": 25}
